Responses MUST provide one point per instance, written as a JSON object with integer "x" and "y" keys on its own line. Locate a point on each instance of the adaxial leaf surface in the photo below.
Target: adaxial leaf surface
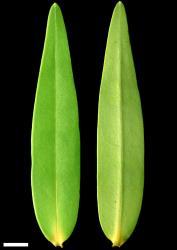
{"x": 55, "y": 137}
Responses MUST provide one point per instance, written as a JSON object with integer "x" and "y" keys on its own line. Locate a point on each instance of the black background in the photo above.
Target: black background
{"x": 22, "y": 27}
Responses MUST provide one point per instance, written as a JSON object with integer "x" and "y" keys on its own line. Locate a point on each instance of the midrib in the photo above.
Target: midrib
{"x": 118, "y": 230}
{"x": 55, "y": 110}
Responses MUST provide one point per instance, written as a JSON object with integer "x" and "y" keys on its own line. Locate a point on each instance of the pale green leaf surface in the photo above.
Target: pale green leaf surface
{"x": 55, "y": 137}
{"x": 120, "y": 139}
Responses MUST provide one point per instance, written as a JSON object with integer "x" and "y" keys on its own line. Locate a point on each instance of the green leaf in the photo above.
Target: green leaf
{"x": 120, "y": 139}
{"x": 55, "y": 137}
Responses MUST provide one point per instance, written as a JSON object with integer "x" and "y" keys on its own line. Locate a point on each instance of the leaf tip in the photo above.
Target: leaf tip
{"x": 120, "y": 3}
{"x": 55, "y": 7}
{"x": 120, "y": 6}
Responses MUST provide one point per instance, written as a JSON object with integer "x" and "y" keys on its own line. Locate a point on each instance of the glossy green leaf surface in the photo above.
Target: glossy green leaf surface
{"x": 120, "y": 136}
{"x": 55, "y": 137}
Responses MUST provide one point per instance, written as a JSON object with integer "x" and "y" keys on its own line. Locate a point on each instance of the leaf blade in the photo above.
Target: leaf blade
{"x": 55, "y": 137}
{"x": 120, "y": 143}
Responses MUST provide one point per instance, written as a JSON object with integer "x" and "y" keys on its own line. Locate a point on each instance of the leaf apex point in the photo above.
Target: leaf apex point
{"x": 120, "y": 4}
{"x": 55, "y": 5}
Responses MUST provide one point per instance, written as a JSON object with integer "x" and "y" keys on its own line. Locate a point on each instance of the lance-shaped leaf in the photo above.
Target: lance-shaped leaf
{"x": 120, "y": 143}
{"x": 55, "y": 137}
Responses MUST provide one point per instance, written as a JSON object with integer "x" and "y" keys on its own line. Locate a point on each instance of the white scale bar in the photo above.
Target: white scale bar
{"x": 15, "y": 244}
